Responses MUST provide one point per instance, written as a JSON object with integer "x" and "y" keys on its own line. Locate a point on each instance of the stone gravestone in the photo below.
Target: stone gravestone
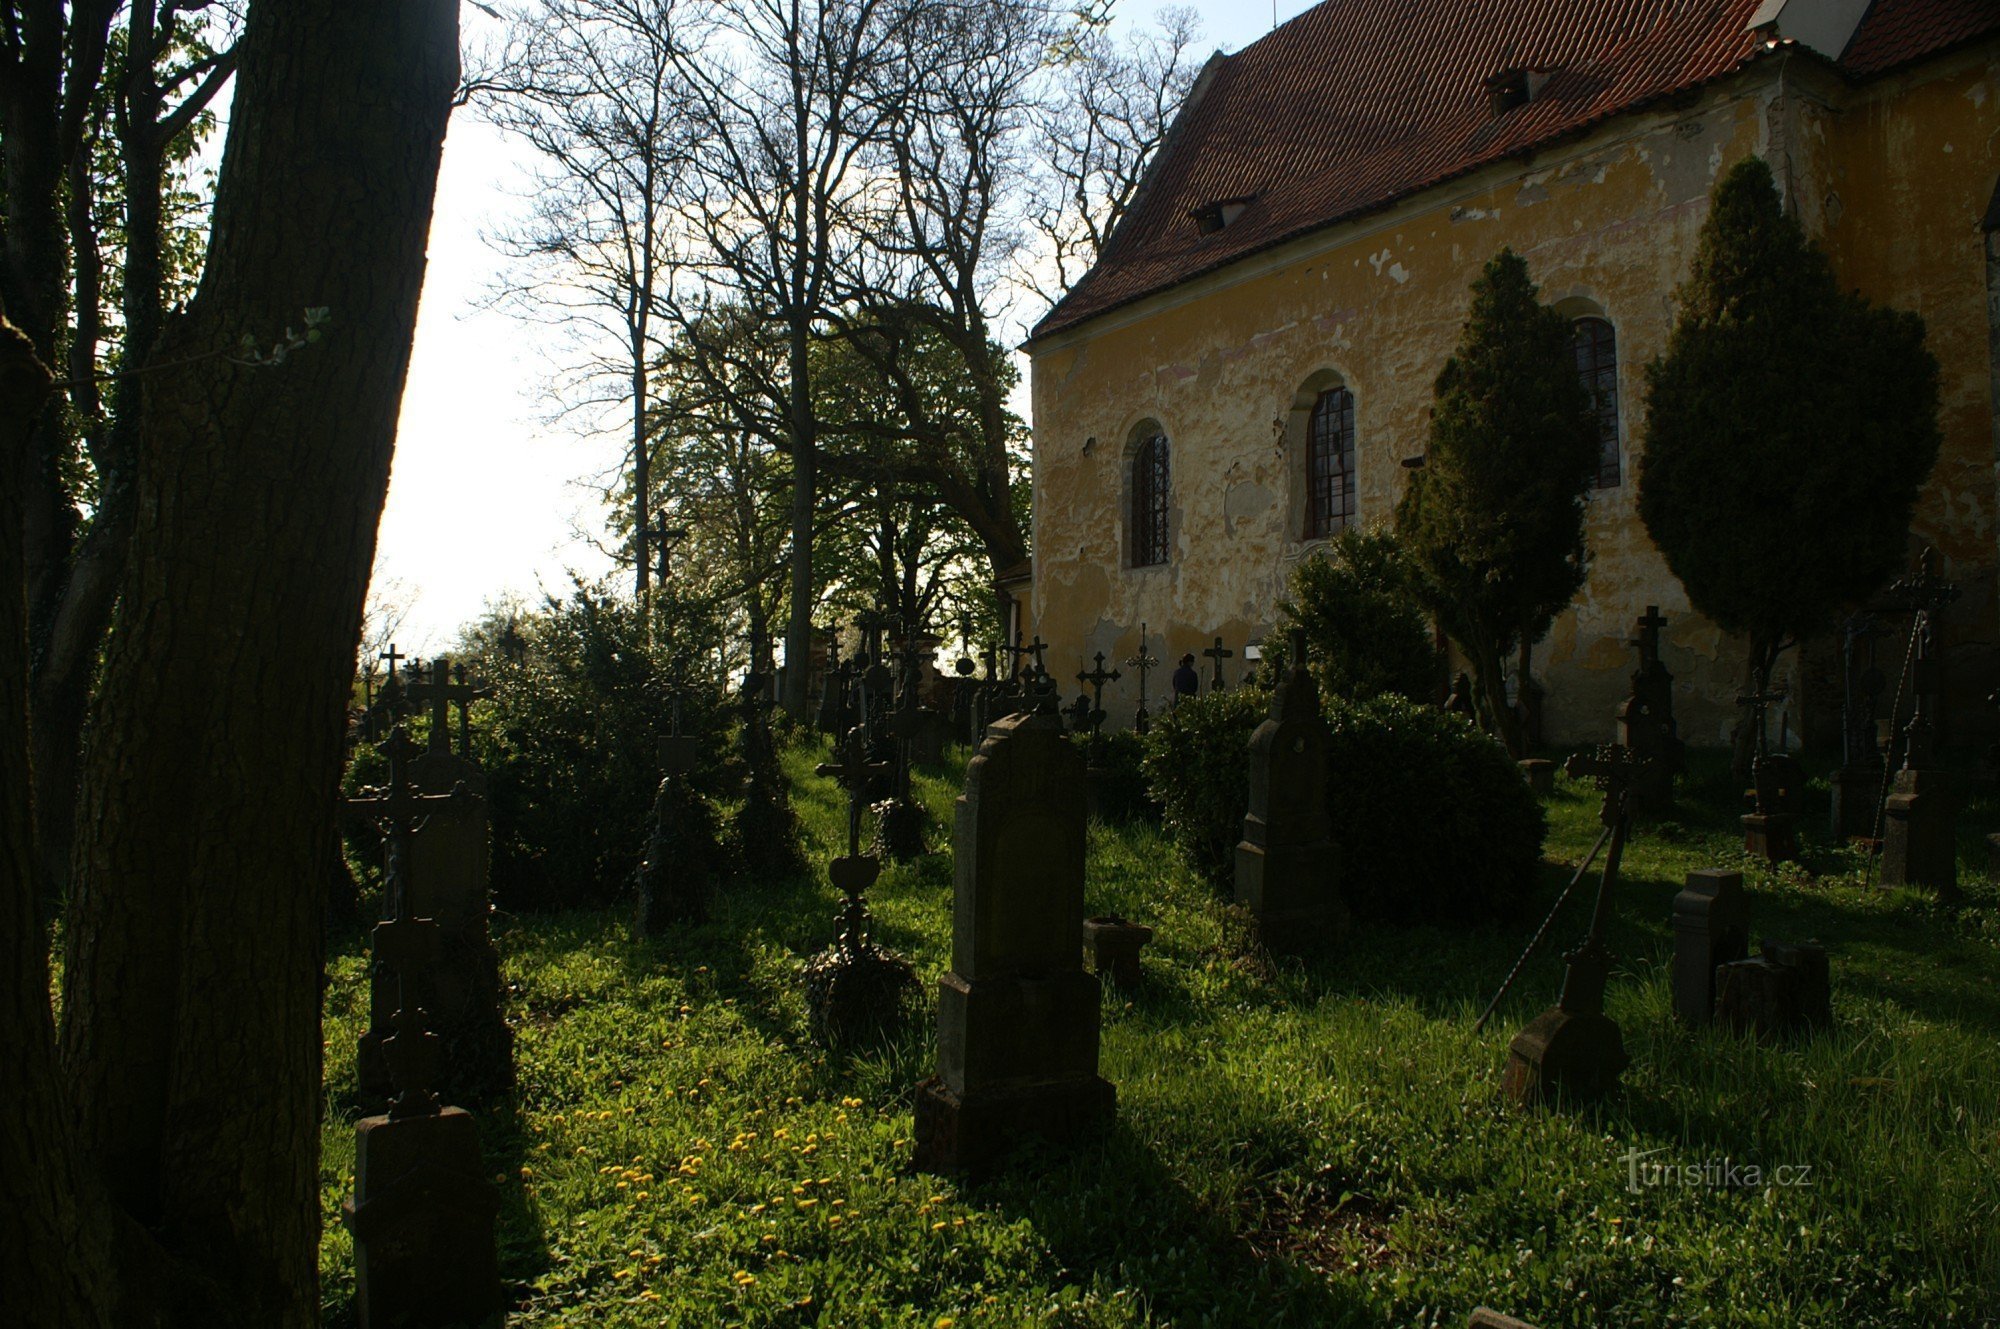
{"x": 1711, "y": 928}
{"x": 1646, "y": 722}
{"x": 1287, "y": 866}
{"x": 446, "y": 881}
{"x": 1857, "y": 785}
{"x": 1785, "y": 991}
{"x": 1772, "y": 831}
{"x": 1920, "y": 816}
{"x": 1113, "y": 944}
{"x": 1017, "y": 1014}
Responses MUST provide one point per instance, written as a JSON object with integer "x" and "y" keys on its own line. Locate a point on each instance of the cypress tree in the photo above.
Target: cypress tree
{"x": 1789, "y": 428}
{"x": 1493, "y": 520}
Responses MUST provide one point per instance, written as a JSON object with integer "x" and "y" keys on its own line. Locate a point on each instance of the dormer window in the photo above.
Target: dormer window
{"x": 1514, "y": 87}
{"x": 1212, "y": 217}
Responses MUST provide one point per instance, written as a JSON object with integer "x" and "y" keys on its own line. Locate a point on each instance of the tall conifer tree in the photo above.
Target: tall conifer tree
{"x": 1789, "y": 428}
{"x": 1493, "y": 520}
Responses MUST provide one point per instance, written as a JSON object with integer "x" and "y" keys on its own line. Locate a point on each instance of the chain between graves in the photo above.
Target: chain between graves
{"x": 1535, "y": 942}
{"x": 1918, "y": 622}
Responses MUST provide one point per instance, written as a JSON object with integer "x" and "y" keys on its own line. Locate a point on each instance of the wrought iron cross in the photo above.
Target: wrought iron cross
{"x": 1095, "y": 680}
{"x": 1613, "y": 769}
{"x": 1924, "y": 596}
{"x": 1145, "y": 662}
{"x": 442, "y": 694}
{"x": 1218, "y": 653}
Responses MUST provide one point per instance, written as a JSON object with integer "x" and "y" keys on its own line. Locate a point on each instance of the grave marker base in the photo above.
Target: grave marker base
{"x": 1573, "y": 1055}
{"x": 1771, "y": 836}
{"x": 1920, "y": 833}
{"x": 965, "y": 1133}
{"x": 422, "y": 1216}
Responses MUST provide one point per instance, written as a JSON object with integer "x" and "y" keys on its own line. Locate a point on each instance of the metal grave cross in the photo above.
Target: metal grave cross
{"x": 1218, "y": 653}
{"x": 1145, "y": 662}
{"x": 441, "y": 694}
{"x": 853, "y": 874}
{"x": 1095, "y": 680}
{"x": 1923, "y": 596}
{"x": 677, "y": 750}
{"x": 1613, "y": 769}
{"x": 1648, "y": 640}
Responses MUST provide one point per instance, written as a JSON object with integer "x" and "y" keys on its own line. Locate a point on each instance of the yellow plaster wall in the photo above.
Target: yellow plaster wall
{"x": 1610, "y": 221}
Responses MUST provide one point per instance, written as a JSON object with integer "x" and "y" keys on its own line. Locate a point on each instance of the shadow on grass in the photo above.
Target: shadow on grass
{"x": 1119, "y": 1218}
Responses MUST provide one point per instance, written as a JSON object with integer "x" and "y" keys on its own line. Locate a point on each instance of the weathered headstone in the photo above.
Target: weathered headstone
{"x": 1287, "y": 866}
{"x": 1857, "y": 784}
{"x": 1017, "y": 1014}
{"x": 1113, "y": 944}
{"x": 1145, "y": 662}
{"x": 1574, "y": 1048}
{"x": 1711, "y": 928}
{"x": 1646, "y": 722}
{"x": 1920, "y": 816}
{"x": 1540, "y": 773}
{"x": 1786, "y": 991}
{"x": 1772, "y": 831}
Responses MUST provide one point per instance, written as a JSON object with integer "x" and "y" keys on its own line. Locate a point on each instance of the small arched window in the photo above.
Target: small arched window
{"x": 1150, "y": 476}
{"x": 1330, "y": 464}
{"x": 1597, "y": 366}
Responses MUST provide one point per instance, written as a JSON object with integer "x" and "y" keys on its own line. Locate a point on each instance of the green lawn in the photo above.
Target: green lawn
{"x": 1320, "y": 1144}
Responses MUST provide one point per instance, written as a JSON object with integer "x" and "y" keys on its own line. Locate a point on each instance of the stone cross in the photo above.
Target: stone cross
{"x": 1145, "y": 662}
{"x": 1646, "y": 721}
{"x": 441, "y": 694}
{"x": 1017, "y": 1013}
{"x": 1217, "y": 653}
{"x": 1095, "y": 680}
{"x": 398, "y": 811}
{"x": 1573, "y": 1047}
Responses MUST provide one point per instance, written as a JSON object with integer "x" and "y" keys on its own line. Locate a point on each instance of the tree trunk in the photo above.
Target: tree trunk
{"x": 191, "y": 994}
{"x": 805, "y": 468}
{"x": 54, "y": 1265}
{"x": 1493, "y": 687}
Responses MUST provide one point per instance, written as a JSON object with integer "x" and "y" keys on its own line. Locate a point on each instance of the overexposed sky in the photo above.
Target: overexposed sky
{"x": 490, "y": 497}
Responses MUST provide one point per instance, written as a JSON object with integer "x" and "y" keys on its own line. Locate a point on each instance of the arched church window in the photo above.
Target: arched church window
{"x": 1597, "y": 366}
{"x": 1149, "y": 501}
{"x": 1330, "y": 464}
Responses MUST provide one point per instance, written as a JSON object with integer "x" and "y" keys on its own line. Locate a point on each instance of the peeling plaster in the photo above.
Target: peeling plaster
{"x": 1897, "y": 235}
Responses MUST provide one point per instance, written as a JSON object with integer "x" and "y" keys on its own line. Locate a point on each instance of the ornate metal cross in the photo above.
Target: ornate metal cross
{"x": 1095, "y": 680}
{"x": 1923, "y": 596}
{"x": 441, "y": 693}
{"x": 1612, "y": 769}
{"x": 853, "y": 874}
{"x": 1145, "y": 662}
{"x": 1218, "y": 653}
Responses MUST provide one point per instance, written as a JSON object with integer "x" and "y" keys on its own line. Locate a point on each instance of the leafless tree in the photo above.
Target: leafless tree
{"x": 779, "y": 203}
{"x": 590, "y": 86}
{"x": 1102, "y": 124}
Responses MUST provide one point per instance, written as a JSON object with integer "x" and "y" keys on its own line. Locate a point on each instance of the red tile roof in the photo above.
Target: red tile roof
{"x": 1357, "y": 103}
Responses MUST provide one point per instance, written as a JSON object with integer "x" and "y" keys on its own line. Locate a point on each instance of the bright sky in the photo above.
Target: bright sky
{"x": 488, "y": 499}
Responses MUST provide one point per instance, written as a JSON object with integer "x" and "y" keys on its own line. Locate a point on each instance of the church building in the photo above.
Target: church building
{"x": 1250, "y": 363}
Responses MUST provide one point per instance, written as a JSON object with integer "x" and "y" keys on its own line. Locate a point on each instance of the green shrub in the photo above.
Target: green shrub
{"x": 1122, "y": 795}
{"x": 1197, "y": 764}
{"x": 1365, "y": 631}
{"x": 1433, "y": 819}
{"x": 570, "y": 740}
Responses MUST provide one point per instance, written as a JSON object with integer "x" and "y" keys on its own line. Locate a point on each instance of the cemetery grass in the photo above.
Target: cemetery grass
{"x": 1310, "y": 1144}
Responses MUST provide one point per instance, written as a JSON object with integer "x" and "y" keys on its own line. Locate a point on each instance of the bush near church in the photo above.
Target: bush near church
{"x": 1366, "y": 633}
{"x": 1433, "y": 820}
{"x": 570, "y": 741}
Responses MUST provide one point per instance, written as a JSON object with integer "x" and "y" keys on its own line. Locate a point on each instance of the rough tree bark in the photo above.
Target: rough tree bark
{"x": 53, "y": 1260}
{"x": 191, "y": 1000}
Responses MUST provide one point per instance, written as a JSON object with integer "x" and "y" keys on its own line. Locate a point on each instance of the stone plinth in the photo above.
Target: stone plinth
{"x": 1577, "y": 1055}
{"x": 1711, "y": 927}
{"x": 1772, "y": 836}
{"x": 1017, "y": 1014}
{"x": 1920, "y": 832}
{"x": 1784, "y": 992}
{"x": 1857, "y": 794}
{"x": 422, "y": 1216}
{"x": 1540, "y": 773}
{"x": 1287, "y": 866}
{"x": 1113, "y": 945}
